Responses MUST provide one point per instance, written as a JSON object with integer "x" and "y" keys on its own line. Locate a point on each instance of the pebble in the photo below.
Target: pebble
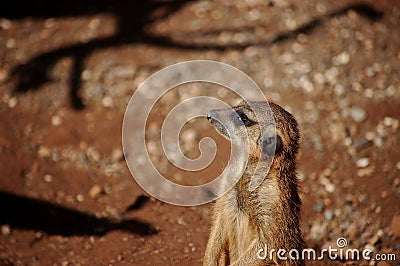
{"x": 365, "y": 171}
{"x": 319, "y": 78}
{"x": 306, "y": 84}
{"x": 339, "y": 89}
{"x": 93, "y": 155}
{"x": 56, "y": 120}
{"x": 3, "y": 75}
{"x": 49, "y": 23}
{"x": 338, "y": 132}
{"x": 318, "y": 231}
{"x": 5, "y": 230}
{"x": 189, "y": 136}
{"x": 44, "y": 152}
{"x": 391, "y": 122}
{"x": 328, "y": 214}
{"x": 395, "y": 225}
{"x": 363, "y": 162}
{"x": 329, "y": 187}
{"x": 332, "y": 74}
{"x": 358, "y": 114}
{"x": 5, "y": 24}
{"x": 107, "y": 101}
{"x": 79, "y": 197}
{"x": 12, "y": 102}
{"x": 94, "y": 23}
{"x": 10, "y": 43}
{"x": 342, "y": 58}
{"x": 48, "y": 178}
{"x": 95, "y": 191}
{"x": 117, "y": 155}
{"x": 378, "y": 142}
{"x": 318, "y": 207}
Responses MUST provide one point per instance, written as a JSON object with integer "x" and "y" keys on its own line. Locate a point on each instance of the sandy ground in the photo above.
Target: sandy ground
{"x": 67, "y": 72}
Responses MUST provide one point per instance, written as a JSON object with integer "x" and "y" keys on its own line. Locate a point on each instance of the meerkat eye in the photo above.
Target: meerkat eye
{"x": 246, "y": 121}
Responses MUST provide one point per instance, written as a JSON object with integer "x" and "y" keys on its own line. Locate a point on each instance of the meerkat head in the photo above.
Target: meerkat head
{"x": 269, "y": 129}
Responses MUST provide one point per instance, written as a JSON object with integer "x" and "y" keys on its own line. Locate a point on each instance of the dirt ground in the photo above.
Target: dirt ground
{"x": 68, "y": 70}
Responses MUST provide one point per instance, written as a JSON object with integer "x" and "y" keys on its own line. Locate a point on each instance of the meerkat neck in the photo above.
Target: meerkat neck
{"x": 280, "y": 210}
{"x": 284, "y": 220}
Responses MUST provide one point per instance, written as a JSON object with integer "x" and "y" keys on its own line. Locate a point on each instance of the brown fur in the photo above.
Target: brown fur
{"x": 244, "y": 221}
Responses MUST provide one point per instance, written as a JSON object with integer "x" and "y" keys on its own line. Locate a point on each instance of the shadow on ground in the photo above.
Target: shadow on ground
{"x": 52, "y": 219}
{"x": 132, "y": 20}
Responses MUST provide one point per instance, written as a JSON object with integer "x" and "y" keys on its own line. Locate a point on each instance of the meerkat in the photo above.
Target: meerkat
{"x": 246, "y": 221}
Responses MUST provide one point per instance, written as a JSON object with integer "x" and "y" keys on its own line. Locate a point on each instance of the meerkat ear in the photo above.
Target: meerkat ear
{"x": 271, "y": 144}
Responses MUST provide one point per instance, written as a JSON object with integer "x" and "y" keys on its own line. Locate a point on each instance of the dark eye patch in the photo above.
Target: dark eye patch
{"x": 243, "y": 117}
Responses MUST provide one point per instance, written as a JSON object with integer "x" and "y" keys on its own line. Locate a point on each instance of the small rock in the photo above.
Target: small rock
{"x": 95, "y": 191}
{"x": 93, "y": 154}
{"x": 318, "y": 207}
{"x": 378, "y": 142}
{"x": 365, "y": 171}
{"x": 370, "y": 135}
{"x": 331, "y": 75}
{"x": 362, "y": 162}
{"x": 189, "y": 136}
{"x": 56, "y": 120}
{"x": 328, "y": 214}
{"x": 3, "y": 75}
{"x": 358, "y": 114}
{"x": 44, "y": 152}
{"x": 339, "y": 89}
{"x": 48, "y": 178}
{"x": 86, "y": 74}
{"x": 330, "y": 187}
{"x": 107, "y": 101}
{"x": 342, "y": 58}
{"x": 10, "y": 43}
{"x": 5, "y": 230}
{"x": 395, "y": 225}
{"x": 391, "y": 122}
{"x": 398, "y": 165}
{"x": 49, "y": 23}
{"x": 12, "y": 102}
{"x": 5, "y": 24}
{"x": 117, "y": 155}
{"x": 79, "y": 197}
{"x": 38, "y": 235}
{"x": 94, "y": 23}
{"x": 306, "y": 84}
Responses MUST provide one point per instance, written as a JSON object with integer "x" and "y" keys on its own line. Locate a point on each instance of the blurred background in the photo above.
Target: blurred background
{"x": 69, "y": 68}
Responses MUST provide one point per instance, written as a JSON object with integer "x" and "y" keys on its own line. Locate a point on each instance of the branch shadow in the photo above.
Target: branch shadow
{"x": 52, "y": 219}
{"x": 132, "y": 19}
